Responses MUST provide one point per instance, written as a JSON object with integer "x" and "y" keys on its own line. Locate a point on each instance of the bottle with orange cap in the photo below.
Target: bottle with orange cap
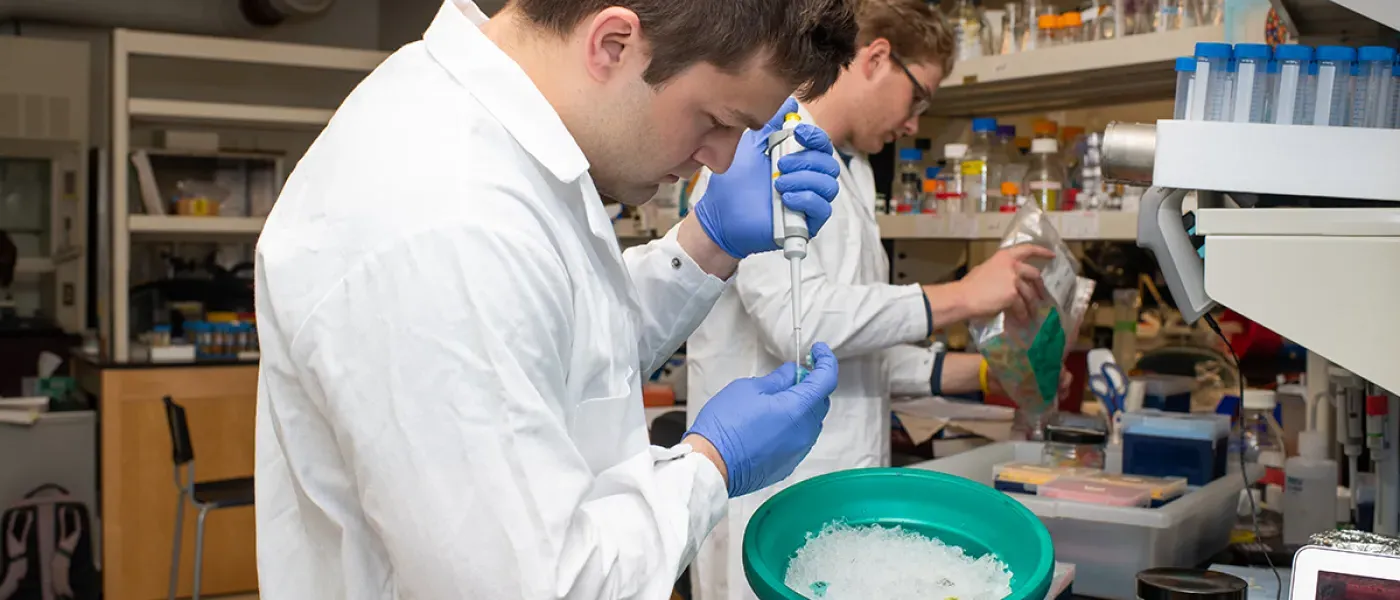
{"x": 1071, "y": 28}
{"x": 1045, "y": 128}
{"x": 1047, "y": 33}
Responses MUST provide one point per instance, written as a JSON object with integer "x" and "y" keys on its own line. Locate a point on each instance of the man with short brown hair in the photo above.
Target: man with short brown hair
{"x": 905, "y": 50}
{"x": 449, "y": 398}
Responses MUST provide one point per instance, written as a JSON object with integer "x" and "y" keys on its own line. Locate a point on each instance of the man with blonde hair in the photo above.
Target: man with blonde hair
{"x": 905, "y": 48}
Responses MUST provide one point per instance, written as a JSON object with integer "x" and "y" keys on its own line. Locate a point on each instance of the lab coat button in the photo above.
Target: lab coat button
{"x": 676, "y": 263}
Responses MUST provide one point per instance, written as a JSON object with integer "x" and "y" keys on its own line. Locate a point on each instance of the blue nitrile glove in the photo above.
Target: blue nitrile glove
{"x": 737, "y": 209}
{"x": 763, "y": 426}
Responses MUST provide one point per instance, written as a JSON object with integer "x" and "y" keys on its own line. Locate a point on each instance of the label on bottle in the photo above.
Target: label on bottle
{"x": 1044, "y": 185}
{"x": 973, "y": 167}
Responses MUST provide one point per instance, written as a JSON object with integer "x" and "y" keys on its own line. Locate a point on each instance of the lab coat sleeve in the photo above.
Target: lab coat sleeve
{"x": 855, "y": 320}
{"x": 675, "y": 295}
{"x": 910, "y": 370}
{"x": 442, "y": 361}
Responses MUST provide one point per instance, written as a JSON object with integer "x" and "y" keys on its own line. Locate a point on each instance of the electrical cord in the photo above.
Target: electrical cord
{"x": 1239, "y": 418}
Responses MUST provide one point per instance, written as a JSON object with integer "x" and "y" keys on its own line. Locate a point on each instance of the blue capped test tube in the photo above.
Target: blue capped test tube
{"x": 1185, "y": 81}
{"x": 1211, "y": 94}
{"x": 1334, "y": 69}
{"x": 1370, "y": 92}
{"x": 1291, "y": 89}
{"x": 1395, "y": 96}
{"x": 1251, "y": 82}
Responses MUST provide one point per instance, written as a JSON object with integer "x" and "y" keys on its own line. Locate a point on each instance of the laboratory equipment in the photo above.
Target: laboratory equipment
{"x": 1333, "y": 83}
{"x": 910, "y": 184}
{"x": 1261, "y": 436}
{"x": 790, "y": 228}
{"x": 982, "y": 168}
{"x": 1013, "y": 29}
{"x": 1091, "y": 491}
{"x": 940, "y": 506}
{"x": 1026, "y": 478}
{"x": 1073, "y": 447}
{"x": 1046, "y": 34}
{"x": 1163, "y": 444}
{"x": 951, "y": 199}
{"x": 1168, "y": 16}
{"x": 1109, "y": 545}
{"x": 1309, "y": 490}
{"x": 1173, "y": 583}
{"x": 968, "y": 28}
{"x": 994, "y": 32}
{"x": 1323, "y": 572}
{"x": 1370, "y": 94}
{"x": 1160, "y": 490}
{"x": 1071, "y": 28}
{"x": 1291, "y": 85}
{"x": 1185, "y": 79}
{"x": 928, "y": 201}
{"x": 1170, "y": 393}
{"x": 1251, "y": 87}
{"x": 1045, "y": 180}
{"x": 1013, "y": 164}
{"x": 1110, "y": 386}
{"x": 1211, "y": 95}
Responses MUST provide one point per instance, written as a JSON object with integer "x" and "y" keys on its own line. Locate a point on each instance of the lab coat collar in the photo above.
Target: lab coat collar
{"x": 456, "y": 42}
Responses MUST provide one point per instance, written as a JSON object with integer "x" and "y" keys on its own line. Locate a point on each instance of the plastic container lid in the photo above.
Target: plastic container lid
{"x": 930, "y": 185}
{"x": 1252, "y": 51}
{"x": 955, "y": 150}
{"x": 1197, "y": 426}
{"x": 1376, "y": 54}
{"x": 982, "y": 124}
{"x": 1071, "y": 19}
{"x": 1045, "y": 146}
{"x": 1075, "y": 435}
{"x": 1260, "y": 399}
{"x": 1048, "y": 21}
{"x": 911, "y": 154}
{"x": 1172, "y": 583}
{"x": 1213, "y": 50}
{"x": 1009, "y": 189}
{"x": 1272, "y": 68}
{"x": 1006, "y": 130}
{"x": 932, "y": 172}
{"x": 1312, "y": 444}
{"x": 1186, "y": 64}
{"x": 1335, "y": 53}
{"x": 1293, "y": 52}
{"x": 1271, "y": 458}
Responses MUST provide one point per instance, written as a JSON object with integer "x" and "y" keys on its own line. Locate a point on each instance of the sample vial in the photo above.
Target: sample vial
{"x": 1185, "y": 80}
{"x": 1333, "y": 81}
{"x": 1212, "y": 91}
{"x": 1251, "y": 82}
{"x": 1370, "y": 96}
{"x": 1046, "y": 31}
{"x": 1395, "y": 97}
{"x": 1291, "y": 85}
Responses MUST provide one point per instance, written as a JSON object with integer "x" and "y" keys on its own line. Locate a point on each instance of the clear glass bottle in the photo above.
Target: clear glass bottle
{"x": 1013, "y": 29}
{"x": 951, "y": 198}
{"x": 1013, "y": 167}
{"x": 1046, "y": 32}
{"x": 1168, "y": 16}
{"x": 1045, "y": 181}
{"x": 1071, "y": 29}
{"x": 968, "y": 28}
{"x": 911, "y": 186}
{"x": 982, "y": 169}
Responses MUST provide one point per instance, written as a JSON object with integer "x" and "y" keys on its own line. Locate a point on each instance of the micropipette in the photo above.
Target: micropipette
{"x": 789, "y": 227}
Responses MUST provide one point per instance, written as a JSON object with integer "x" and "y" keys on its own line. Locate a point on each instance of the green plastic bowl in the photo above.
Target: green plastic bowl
{"x": 954, "y": 510}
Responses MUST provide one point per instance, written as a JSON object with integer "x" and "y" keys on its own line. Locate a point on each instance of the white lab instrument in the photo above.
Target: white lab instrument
{"x": 1251, "y": 88}
{"x": 461, "y": 271}
{"x": 1333, "y": 84}
{"x": 1322, "y": 572}
{"x": 790, "y": 229}
{"x": 1291, "y": 85}
{"x": 1370, "y": 94}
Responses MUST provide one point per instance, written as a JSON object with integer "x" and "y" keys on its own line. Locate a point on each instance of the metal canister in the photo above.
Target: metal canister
{"x": 1171, "y": 583}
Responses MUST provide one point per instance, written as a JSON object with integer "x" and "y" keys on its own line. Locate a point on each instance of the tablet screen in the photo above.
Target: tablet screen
{"x": 1343, "y": 586}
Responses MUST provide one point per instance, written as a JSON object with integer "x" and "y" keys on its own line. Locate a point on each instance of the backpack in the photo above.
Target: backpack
{"x": 46, "y": 548}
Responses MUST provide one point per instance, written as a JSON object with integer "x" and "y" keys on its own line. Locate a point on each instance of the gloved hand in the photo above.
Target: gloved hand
{"x": 763, "y": 426}
{"x": 737, "y": 209}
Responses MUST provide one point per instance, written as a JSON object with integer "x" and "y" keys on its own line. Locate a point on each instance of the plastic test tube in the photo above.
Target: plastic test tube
{"x": 1395, "y": 96}
{"x": 1185, "y": 80}
{"x": 1291, "y": 88}
{"x": 1212, "y": 90}
{"x": 1370, "y": 97}
{"x": 1251, "y": 82}
{"x": 1333, "y": 81}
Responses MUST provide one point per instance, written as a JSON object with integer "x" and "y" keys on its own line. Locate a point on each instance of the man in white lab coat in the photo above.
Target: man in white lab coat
{"x": 905, "y": 50}
{"x": 449, "y": 399}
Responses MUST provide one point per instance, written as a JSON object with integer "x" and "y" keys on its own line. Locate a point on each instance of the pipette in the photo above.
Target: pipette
{"x": 790, "y": 228}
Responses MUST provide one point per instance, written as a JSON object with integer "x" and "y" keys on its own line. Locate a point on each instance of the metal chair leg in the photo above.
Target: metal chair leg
{"x": 175, "y": 553}
{"x": 199, "y": 550}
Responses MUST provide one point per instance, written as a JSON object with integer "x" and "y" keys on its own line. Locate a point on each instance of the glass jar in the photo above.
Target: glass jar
{"x": 1073, "y": 447}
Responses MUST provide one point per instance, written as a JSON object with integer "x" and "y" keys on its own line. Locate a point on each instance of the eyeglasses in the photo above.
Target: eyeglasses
{"x": 922, "y": 95}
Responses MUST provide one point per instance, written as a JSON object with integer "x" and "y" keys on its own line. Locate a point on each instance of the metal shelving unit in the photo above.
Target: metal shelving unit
{"x": 128, "y": 110}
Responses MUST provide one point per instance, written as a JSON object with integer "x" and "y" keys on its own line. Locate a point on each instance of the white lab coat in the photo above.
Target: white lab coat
{"x": 449, "y": 400}
{"x": 847, "y": 303}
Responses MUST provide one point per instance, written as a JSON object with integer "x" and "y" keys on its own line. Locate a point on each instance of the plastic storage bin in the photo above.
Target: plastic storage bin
{"x": 1109, "y": 544}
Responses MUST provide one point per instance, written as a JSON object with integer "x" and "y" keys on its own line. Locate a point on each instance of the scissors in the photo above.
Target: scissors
{"x": 1110, "y": 386}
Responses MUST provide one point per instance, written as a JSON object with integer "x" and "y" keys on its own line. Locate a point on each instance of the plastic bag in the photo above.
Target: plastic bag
{"x": 1026, "y": 358}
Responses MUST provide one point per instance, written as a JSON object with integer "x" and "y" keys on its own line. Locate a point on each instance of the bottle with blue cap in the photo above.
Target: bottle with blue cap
{"x": 1211, "y": 95}
{"x": 911, "y": 185}
{"x": 1251, "y": 82}
{"x": 983, "y": 166}
{"x": 1334, "y": 66}
{"x": 1291, "y": 85}
{"x": 1185, "y": 80}
{"x": 1370, "y": 102}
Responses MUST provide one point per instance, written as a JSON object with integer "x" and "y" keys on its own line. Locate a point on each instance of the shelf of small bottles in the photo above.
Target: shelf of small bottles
{"x": 1072, "y": 225}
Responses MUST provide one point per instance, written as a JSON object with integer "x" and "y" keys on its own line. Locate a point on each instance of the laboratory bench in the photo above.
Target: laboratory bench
{"x": 136, "y": 479}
